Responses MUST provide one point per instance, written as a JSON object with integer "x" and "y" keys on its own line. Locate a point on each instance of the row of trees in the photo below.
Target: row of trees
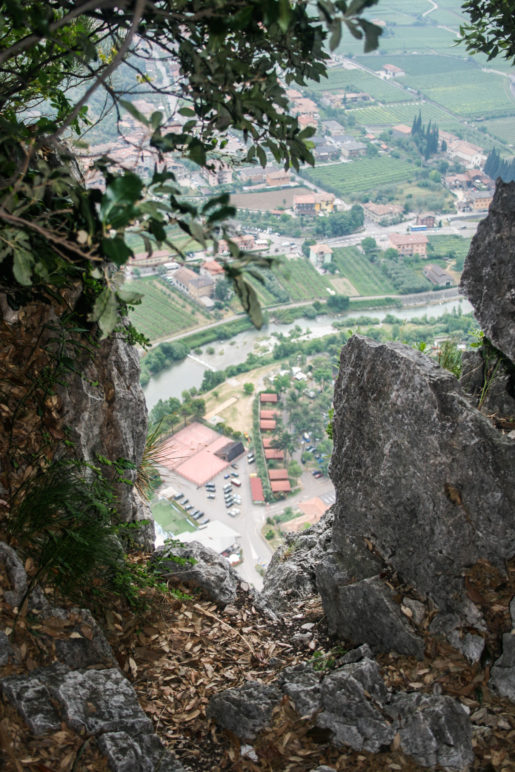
{"x": 495, "y": 167}
{"x": 425, "y": 137}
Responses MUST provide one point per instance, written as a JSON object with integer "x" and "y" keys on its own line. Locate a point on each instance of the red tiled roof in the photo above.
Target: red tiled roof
{"x": 275, "y": 454}
{"x": 278, "y": 474}
{"x": 268, "y": 397}
{"x": 256, "y": 489}
{"x": 268, "y": 414}
{"x": 268, "y": 423}
{"x": 280, "y": 486}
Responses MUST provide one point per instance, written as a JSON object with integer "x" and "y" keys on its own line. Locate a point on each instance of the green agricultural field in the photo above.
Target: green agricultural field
{"x": 393, "y": 114}
{"x": 420, "y": 64}
{"x": 360, "y": 176}
{"x": 301, "y": 281}
{"x": 162, "y": 311}
{"x": 357, "y": 80}
{"x": 365, "y": 276}
{"x": 504, "y": 128}
{"x": 171, "y": 517}
{"x": 444, "y": 245}
{"x": 468, "y": 93}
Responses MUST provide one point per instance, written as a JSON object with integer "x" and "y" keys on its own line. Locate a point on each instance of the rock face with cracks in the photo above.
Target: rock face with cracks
{"x": 488, "y": 278}
{"x": 424, "y": 486}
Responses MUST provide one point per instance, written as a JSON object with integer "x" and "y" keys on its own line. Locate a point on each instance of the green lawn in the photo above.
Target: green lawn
{"x": 362, "y": 175}
{"x": 365, "y": 276}
{"x": 171, "y": 517}
{"x": 162, "y": 310}
{"x": 467, "y": 92}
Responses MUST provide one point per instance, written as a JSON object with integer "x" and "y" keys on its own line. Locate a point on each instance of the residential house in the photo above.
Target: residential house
{"x": 246, "y": 243}
{"x": 476, "y": 201}
{"x": 313, "y": 203}
{"x": 386, "y": 214}
{"x": 274, "y": 454}
{"x": 193, "y": 283}
{"x": 327, "y": 152}
{"x": 307, "y": 120}
{"x": 278, "y": 178}
{"x": 428, "y": 219}
{"x": 438, "y": 276}
{"x": 267, "y": 424}
{"x": 471, "y": 156}
{"x": 353, "y": 148}
{"x": 212, "y": 268}
{"x": 320, "y": 255}
{"x": 333, "y": 127}
{"x": 401, "y": 130}
{"x": 280, "y": 486}
{"x": 409, "y": 244}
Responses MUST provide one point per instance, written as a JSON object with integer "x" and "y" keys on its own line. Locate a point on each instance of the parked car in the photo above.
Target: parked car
{"x": 186, "y": 501}
{"x": 237, "y": 483}
{"x": 211, "y": 496}
{"x": 226, "y": 476}
{"x": 204, "y": 521}
{"x": 251, "y": 460}
{"x": 235, "y": 474}
{"x": 178, "y": 496}
{"x": 232, "y": 513}
{"x": 197, "y": 515}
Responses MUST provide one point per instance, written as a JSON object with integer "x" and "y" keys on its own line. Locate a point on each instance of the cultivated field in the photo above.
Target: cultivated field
{"x": 365, "y": 276}
{"x": 162, "y": 311}
{"x": 360, "y": 176}
{"x": 301, "y": 281}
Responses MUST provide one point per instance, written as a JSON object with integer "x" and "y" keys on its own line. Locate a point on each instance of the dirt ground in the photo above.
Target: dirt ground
{"x": 229, "y": 401}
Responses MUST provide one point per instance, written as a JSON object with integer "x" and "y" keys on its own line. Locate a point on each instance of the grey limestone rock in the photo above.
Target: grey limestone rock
{"x": 137, "y": 753}
{"x": 84, "y": 651}
{"x": 291, "y": 574}
{"x": 31, "y": 698}
{"x": 95, "y": 701}
{"x": 366, "y": 611}
{"x": 419, "y": 473}
{"x": 433, "y": 730}
{"x": 105, "y": 407}
{"x": 352, "y": 707}
{"x": 17, "y": 577}
{"x": 203, "y": 568}
{"x": 245, "y": 710}
{"x": 502, "y": 678}
{"x": 488, "y": 278}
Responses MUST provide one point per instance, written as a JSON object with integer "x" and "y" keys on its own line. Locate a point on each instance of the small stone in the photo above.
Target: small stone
{"x": 31, "y": 699}
{"x": 307, "y": 626}
{"x": 249, "y": 752}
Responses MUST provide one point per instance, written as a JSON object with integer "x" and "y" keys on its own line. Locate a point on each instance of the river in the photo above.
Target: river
{"x": 188, "y": 373}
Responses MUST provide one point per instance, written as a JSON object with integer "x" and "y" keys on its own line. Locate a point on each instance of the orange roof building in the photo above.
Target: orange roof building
{"x": 278, "y": 474}
{"x": 256, "y": 490}
{"x": 267, "y": 424}
{"x": 268, "y": 397}
{"x": 268, "y": 414}
{"x": 280, "y": 486}
{"x": 274, "y": 454}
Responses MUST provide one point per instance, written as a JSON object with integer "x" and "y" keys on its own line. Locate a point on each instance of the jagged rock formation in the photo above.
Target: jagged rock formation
{"x": 104, "y": 407}
{"x": 424, "y": 489}
{"x": 488, "y": 278}
{"x": 291, "y": 574}
{"x": 199, "y": 566}
{"x": 83, "y": 689}
{"x": 353, "y": 705}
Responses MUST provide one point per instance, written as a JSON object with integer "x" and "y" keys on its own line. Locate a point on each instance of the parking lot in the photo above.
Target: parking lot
{"x": 251, "y": 518}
